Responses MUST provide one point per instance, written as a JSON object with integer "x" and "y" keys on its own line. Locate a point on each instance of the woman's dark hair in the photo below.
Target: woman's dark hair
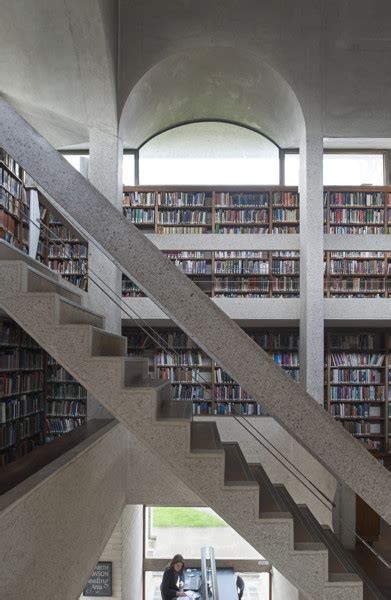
{"x": 178, "y": 558}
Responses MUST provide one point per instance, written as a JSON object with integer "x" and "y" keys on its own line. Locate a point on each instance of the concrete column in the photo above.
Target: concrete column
{"x": 311, "y": 266}
{"x": 132, "y": 552}
{"x": 105, "y": 173}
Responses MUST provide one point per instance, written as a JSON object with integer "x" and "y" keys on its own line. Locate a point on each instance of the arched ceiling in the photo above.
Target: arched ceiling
{"x": 212, "y": 83}
{"x": 58, "y": 65}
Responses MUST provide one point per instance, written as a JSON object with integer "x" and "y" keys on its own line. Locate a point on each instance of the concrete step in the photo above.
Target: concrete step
{"x": 237, "y": 471}
{"x": 205, "y": 437}
{"x": 104, "y": 343}
{"x": 135, "y": 370}
{"x": 74, "y": 314}
{"x": 175, "y": 410}
{"x": 269, "y": 501}
{"x": 302, "y": 533}
{"x": 40, "y": 283}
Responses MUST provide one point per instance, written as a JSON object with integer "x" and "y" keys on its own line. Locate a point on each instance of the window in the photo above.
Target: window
{"x": 209, "y": 153}
{"x": 353, "y": 168}
{"x": 128, "y": 169}
{"x": 78, "y": 162}
{"x": 341, "y": 168}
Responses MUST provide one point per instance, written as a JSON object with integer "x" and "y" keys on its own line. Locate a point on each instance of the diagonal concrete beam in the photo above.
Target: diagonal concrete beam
{"x": 197, "y": 315}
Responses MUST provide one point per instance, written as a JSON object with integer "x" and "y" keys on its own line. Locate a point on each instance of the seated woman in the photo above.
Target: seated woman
{"x": 172, "y": 576}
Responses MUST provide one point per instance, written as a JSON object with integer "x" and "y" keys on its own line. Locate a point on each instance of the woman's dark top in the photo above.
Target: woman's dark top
{"x": 168, "y": 586}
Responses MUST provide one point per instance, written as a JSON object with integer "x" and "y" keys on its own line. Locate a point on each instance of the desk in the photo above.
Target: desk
{"x": 226, "y": 581}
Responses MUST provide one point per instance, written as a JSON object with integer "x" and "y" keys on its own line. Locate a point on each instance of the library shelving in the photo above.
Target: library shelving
{"x": 14, "y": 207}
{"x": 38, "y": 400}
{"x": 194, "y": 376}
{"x": 22, "y": 402}
{"x": 363, "y": 210}
{"x": 59, "y": 246}
{"x": 357, "y": 377}
{"x": 357, "y": 274}
{"x": 66, "y": 401}
{"x": 236, "y": 274}
{"x": 218, "y": 210}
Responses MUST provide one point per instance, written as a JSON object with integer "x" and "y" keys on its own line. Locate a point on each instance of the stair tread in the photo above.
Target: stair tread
{"x": 237, "y": 469}
{"x": 205, "y": 437}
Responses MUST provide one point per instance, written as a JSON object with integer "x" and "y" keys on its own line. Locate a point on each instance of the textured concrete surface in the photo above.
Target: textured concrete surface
{"x": 210, "y": 241}
{"x": 55, "y": 525}
{"x": 202, "y": 472}
{"x": 200, "y": 318}
{"x": 132, "y": 552}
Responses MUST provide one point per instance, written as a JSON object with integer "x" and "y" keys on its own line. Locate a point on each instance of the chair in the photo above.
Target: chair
{"x": 240, "y": 587}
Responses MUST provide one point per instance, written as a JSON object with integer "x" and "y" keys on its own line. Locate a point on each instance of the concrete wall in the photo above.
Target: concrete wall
{"x": 113, "y": 553}
{"x": 282, "y": 589}
{"x": 132, "y": 552}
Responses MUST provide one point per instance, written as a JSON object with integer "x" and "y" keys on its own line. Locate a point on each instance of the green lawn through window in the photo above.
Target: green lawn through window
{"x": 184, "y": 517}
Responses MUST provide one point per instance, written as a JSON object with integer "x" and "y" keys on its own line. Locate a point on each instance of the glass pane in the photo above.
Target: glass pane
{"x": 353, "y": 169}
{"x": 128, "y": 169}
{"x": 78, "y": 162}
{"x": 173, "y": 530}
{"x": 292, "y": 169}
{"x": 209, "y": 154}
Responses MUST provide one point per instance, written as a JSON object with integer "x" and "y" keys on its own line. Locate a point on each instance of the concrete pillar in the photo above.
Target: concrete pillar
{"x": 132, "y": 552}
{"x": 105, "y": 173}
{"x": 311, "y": 266}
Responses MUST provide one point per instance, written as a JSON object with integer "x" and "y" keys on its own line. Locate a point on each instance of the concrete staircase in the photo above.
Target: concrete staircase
{"x": 55, "y": 523}
{"x": 263, "y": 514}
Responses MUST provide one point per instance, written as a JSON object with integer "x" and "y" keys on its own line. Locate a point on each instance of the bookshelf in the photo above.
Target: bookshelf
{"x": 39, "y": 401}
{"x": 69, "y": 256}
{"x": 357, "y": 274}
{"x": 357, "y": 377}
{"x": 66, "y": 401}
{"x": 194, "y": 376}
{"x": 206, "y": 210}
{"x": 236, "y": 274}
{"x": 363, "y": 210}
{"x": 13, "y": 203}
{"x": 22, "y": 402}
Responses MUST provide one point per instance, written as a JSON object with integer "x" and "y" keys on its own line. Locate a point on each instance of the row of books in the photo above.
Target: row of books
{"x": 245, "y": 409}
{"x": 20, "y": 407}
{"x": 20, "y": 358}
{"x": 68, "y": 267}
{"x": 356, "y": 376}
{"x": 355, "y": 341}
{"x": 62, "y": 425}
{"x": 355, "y": 410}
{"x": 186, "y": 358}
{"x": 63, "y": 408}
{"x": 183, "y": 375}
{"x": 354, "y": 229}
{"x": 62, "y": 232}
{"x": 10, "y": 183}
{"x": 356, "y": 359}
{"x": 187, "y": 217}
{"x": 69, "y": 390}
{"x": 356, "y": 267}
{"x": 10, "y": 163}
{"x": 357, "y": 216}
{"x": 209, "y": 199}
{"x": 362, "y": 427}
{"x": 11, "y": 205}
{"x": 242, "y": 216}
{"x": 68, "y": 251}
{"x": 194, "y": 267}
{"x": 242, "y": 266}
{"x": 355, "y": 285}
{"x": 20, "y": 383}
{"x": 180, "y": 229}
{"x": 369, "y": 393}
{"x": 362, "y": 199}
{"x": 290, "y": 215}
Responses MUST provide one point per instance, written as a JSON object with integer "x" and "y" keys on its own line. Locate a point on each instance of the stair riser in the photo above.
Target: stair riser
{"x": 134, "y": 371}
{"x": 73, "y": 315}
{"x": 39, "y": 284}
